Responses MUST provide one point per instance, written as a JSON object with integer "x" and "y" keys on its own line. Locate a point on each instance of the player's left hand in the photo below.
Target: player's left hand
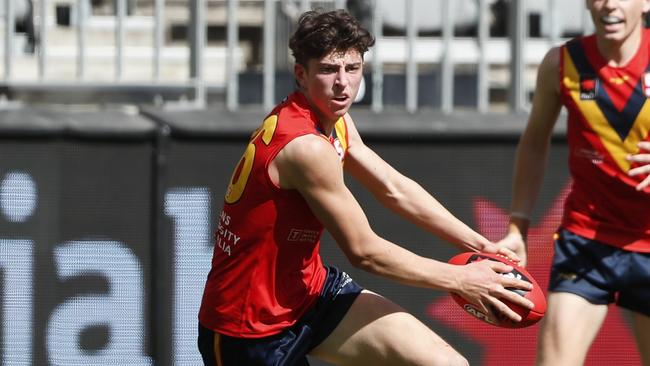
{"x": 505, "y": 251}
{"x": 515, "y": 243}
{"x": 642, "y": 157}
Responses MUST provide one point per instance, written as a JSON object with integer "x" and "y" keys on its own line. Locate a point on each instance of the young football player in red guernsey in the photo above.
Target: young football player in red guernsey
{"x": 269, "y": 299}
{"x": 602, "y": 249}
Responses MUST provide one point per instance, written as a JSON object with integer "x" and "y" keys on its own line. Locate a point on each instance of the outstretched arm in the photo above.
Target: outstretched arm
{"x": 322, "y": 186}
{"x": 409, "y": 199}
{"x": 532, "y": 152}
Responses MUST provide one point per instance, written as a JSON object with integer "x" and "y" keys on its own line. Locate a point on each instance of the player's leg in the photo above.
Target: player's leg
{"x": 375, "y": 331}
{"x": 642, "y": 332}
{"x": 569, "y": 327}
{"x": 635, "y": 297}
{"x": 580, "y": 287}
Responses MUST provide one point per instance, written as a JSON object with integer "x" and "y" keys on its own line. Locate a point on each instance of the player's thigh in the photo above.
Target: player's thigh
{"x": 376, "y": 331}
{"x": 569, "y": 327}
{"x": 642, "y": 332}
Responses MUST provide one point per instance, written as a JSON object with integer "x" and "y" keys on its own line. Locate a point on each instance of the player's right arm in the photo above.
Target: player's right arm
{"x": 310, "y": 165}
{"x": 532, "y": 152}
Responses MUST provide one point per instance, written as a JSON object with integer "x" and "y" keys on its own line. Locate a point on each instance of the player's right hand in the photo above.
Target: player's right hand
{"x": 482, "y": 284}
{"x": 642, "y": 159}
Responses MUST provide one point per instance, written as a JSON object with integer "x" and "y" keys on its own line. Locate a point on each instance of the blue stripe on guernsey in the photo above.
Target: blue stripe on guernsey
{"x": 622, "y": 121}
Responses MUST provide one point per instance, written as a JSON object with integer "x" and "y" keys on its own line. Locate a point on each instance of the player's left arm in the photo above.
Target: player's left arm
{"x": 643, "y": 157}
{"x": 407, "y": 198}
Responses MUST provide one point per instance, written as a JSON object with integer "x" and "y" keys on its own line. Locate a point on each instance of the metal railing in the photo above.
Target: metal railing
{"x": 444, "y": 51}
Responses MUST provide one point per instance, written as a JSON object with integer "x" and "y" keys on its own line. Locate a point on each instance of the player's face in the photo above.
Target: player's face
{"x": 331, "y": 83}
{"x": 615, "y": 20}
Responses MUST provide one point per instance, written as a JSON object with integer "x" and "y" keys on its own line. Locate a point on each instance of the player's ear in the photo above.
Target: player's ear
{"x": 300, "y": 73}
{"x": 646, "y": 6}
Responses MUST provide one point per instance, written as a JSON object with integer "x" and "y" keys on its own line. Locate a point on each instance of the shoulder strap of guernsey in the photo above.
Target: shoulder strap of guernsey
{"x": 622, "y": 121}
{"x": 620, "y": 130}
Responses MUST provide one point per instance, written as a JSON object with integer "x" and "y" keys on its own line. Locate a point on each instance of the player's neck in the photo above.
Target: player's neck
{"x": 326, "y": 126}
{"x": 620, "y": 53}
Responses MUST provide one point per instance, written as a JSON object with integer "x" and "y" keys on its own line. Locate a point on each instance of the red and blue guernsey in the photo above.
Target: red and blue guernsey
{"x": 266, "y": 267}
{"x": 609, "y": 114}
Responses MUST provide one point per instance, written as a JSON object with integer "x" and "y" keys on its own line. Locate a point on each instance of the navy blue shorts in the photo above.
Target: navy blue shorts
{"x": 291, "y": 346}
{"x": 601, "y": 273}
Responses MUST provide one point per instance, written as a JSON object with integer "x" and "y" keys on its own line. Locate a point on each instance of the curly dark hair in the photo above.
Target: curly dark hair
{"x": 320, "y": 33}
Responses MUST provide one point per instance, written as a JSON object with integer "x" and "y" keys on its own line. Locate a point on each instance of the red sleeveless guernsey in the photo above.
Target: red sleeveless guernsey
{"x": 266, "y": 267}
{"x": 608, "y": 114}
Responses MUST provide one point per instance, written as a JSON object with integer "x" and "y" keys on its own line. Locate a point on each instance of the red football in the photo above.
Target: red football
{"x": 536, "y": 295}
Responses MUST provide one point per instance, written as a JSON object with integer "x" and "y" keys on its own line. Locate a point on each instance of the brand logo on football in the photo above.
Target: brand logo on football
{"x": 477, "y": 313}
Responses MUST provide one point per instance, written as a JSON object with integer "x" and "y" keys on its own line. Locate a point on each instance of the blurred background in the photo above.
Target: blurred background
{"x": 429, "y": 54}
{"x": 121, "y": 121}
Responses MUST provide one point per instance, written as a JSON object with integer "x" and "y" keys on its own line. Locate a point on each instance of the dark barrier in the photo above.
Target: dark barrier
{"x": 75, "y": 237}
{"x": 106, "y": 223}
